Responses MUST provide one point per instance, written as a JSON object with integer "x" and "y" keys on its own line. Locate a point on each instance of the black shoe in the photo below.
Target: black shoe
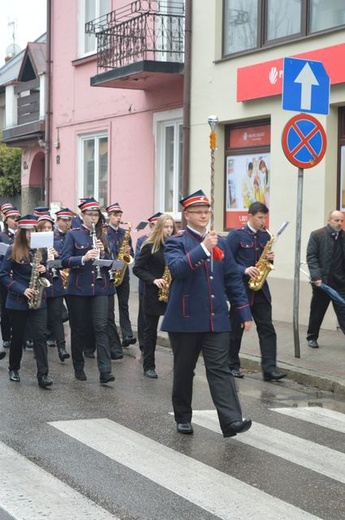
{"x": 44, "y": 381}
{"x": 151, "y": 373}
{"x": 14, "y": 376}
{"x": 2, "y": 354}
{"x": 51, "y": 343}
{"x": 116, "y": 357}
{"x": 80, "y": 375}
{"x": 275, "y": 375}
{"x": 89, "y": 354}
{"x": 185, "y": 428}
{"x": 237, "y": 427}
{"x": 312, "y": 343}
{"x": 63, "y": 354}
{"x": 28, "y": 345}
{"x": 236, "y": 373}
{"x": 105, "y": 378}
{"x": 130, "y": 340}
{"x": 6, "y": 344}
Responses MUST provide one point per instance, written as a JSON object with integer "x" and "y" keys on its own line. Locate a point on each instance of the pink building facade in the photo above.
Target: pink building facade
{"x": 113, "y": 143}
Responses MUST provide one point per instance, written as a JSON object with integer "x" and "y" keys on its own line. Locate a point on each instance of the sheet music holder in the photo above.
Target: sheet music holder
{"x": 54, "y": 264}
{"x": 3, "y": 248}
{"x": 142, "y": 225}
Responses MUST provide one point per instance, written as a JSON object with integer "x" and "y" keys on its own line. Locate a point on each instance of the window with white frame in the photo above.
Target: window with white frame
{"x": 89, "y": 10}
{"x": 93, "y": 168}
{"x": 168, "y": 130}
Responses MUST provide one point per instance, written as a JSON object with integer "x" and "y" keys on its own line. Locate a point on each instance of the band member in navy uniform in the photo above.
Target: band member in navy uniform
{"x": 88, "y": 289}
{"x": 204, "y": 278}
{"x": 16, "y": 274}
{"x": 115, "y": 238}
{"x": 247, "y": 244}
{"x": 141, "y": 316}
{"x": 55, "y": 292}
{"x": 11, "y": 217}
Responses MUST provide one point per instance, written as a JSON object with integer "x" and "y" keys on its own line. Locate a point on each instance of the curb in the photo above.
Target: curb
{"x": 304, "y": 377}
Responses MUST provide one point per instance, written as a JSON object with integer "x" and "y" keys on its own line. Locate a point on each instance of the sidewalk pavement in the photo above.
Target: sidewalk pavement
{"x": 323, "y": 367}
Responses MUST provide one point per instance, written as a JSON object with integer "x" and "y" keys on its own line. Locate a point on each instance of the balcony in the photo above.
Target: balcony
{"x": 139, "y": 46}
{"x": 28, "y": 121}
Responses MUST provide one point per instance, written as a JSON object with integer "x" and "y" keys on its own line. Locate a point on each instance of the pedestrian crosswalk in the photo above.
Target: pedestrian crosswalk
{"x": 28, "y": 492}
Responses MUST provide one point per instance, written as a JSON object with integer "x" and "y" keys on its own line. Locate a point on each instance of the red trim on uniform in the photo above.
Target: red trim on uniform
{"x": 89, "y": 206}
{"x": 190, "y": 263}
{"x": 113, "y": 208}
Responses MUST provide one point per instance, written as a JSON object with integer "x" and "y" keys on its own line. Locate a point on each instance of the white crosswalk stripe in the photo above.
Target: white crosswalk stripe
{"x": 27, "y": 492}
{"x": 305, "y": 453}
{"x": 220, "y": 494}
{"x": 316, "y": 415}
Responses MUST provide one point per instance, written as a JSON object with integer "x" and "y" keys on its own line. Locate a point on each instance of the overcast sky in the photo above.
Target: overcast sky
{"x": 29, "y": 17}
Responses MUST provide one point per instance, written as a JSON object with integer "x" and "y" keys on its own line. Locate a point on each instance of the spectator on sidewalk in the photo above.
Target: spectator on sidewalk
{"x": 326, "y": 262}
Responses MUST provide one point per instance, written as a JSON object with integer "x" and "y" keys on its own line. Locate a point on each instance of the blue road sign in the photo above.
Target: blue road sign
{"x": 305, "y": 86}
{"x": 304, "y": 141}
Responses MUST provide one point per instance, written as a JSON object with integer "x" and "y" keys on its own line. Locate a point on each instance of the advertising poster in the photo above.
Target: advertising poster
{"x": 247, "y": 180}
{"x": 342, "y": 180}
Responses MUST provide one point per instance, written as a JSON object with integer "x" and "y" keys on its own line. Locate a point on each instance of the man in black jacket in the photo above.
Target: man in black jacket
{"x": 326, "y": 262}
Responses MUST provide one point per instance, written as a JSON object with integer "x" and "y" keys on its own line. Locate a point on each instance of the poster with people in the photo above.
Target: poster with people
{"x": 247, "y": 181}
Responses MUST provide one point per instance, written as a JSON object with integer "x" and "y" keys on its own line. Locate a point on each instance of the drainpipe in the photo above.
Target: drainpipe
{"x": 47, "y": 136}
{"x": 186, "y": 97}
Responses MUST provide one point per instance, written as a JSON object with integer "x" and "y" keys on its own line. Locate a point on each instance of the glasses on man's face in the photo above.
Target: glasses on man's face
{"x": 200, "y": 212}
{"x": 92, "y": 215}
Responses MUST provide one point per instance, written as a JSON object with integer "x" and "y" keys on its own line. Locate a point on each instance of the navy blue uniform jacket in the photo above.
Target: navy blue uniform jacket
{"x": 16, "y": 277}
{"x": 82, "y": 278}
{"x": 247, "y": 248}
{"x": 198, "y": 299}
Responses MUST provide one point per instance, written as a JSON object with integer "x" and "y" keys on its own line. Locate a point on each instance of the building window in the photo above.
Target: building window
{"x": 252, "y": 24}
{"x": 89, "y": 10}
{"x": 93, "y": 180}
{"x": 247, "y": 170}
{"x": 169, "y": 139}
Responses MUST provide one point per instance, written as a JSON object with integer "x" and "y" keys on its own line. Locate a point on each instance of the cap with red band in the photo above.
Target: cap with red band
{"x": 65, "y": 213}
{"x": 155, "y": 217}
{"x": 114, "y": 208}
{"x": 27, "y": 222}
{"x": 198, "y": 198}
{"x": 89, "y": 205}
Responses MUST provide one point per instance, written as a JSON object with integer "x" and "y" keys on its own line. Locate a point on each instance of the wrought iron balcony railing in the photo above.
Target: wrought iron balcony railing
{"x": 143, "y": 30}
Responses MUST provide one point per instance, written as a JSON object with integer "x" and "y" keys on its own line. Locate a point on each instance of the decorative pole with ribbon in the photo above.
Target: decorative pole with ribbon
{"x": 212, "y": 121}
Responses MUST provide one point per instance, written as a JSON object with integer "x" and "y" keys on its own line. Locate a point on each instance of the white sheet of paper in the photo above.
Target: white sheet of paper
{"x": 42, "y": 239}
{"x": 3, "y": 248}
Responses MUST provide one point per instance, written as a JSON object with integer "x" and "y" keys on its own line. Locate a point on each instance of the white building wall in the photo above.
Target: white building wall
{"x": 213, "y": 91}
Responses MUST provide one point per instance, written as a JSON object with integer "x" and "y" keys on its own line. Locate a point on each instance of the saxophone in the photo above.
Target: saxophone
{"x": 163, "y": 294}
{"x": 264, "y": 266}
{"x": 117, "y": 275}
{"x": 37, "y": 283}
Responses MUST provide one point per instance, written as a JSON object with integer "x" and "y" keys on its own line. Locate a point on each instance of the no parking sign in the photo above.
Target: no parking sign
{"x": 304, "y": 141}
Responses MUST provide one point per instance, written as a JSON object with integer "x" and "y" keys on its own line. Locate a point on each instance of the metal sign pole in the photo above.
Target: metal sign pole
{"x": 297, "y": 262}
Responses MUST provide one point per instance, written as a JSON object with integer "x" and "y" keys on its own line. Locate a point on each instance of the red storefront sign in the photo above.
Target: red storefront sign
{"x": 250, "y": 136}
{"x": 265, "y": 79}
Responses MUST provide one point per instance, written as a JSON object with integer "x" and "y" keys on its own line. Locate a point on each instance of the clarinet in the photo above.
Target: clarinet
{"x": 94, "y": 245}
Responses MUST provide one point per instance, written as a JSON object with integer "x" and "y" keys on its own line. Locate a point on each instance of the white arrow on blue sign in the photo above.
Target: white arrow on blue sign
{"x": 305, "y": 86}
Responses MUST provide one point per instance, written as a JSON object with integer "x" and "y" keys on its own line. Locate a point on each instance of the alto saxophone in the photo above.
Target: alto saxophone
{"x": 37, "y": 282}
{"x": 264, "y": 266}
{"x": 118, "y": 275}
{"x": 163, "y": 294}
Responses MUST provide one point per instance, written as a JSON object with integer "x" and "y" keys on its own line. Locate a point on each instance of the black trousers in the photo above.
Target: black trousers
{"x": 318, "y": 307}
{"x": 141, "y": 322}
{"x": 80, "y": 309}
{"x": 114, "y": 338}
{"x": 122, "y": 293}
{"x": 262, "y": 315}
{"x": 5, "y": 315}
{"x": 215, "y": 349}
{"x": 38, "y": 321}
{"x": 55, "y": 308}
{"x": 150, "y": 340}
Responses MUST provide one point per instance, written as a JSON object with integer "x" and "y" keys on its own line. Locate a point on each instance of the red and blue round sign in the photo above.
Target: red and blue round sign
{"x": 304, "y": 141}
